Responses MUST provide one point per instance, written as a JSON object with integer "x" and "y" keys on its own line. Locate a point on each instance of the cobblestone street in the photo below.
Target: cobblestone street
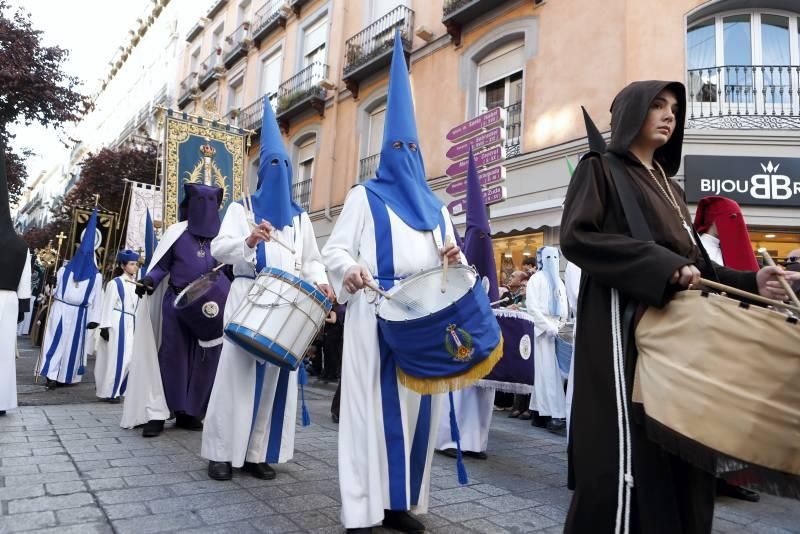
{"x": 71, "y": 468}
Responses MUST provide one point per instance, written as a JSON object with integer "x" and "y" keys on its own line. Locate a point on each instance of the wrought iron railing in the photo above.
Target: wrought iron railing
{"x": 451, "y": 6}
{"x": 513, "y": 129}
{"x": 250, "y": 117}
{"x": 302, "y": 86}
{"x": 211, "y": 62}
{"x": 367, "y": 167}
{"x": 301, "y": 193}
{"x": 377, "y": 38}
{"x": 188, "y": 83}
{"x": 744, "y": 96}
{"x": 236, "y": 38}
{"x": 266, "y": 15}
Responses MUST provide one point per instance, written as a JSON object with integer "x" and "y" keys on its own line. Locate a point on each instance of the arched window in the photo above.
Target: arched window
{"x": 744, "y": 62}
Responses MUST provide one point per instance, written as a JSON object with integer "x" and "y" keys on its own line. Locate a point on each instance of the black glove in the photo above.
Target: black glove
{"x": 145, "y": 285}
{"x": 52, "y": 280}
{"x": 228, "y": 270}
{"x": 20, "y": 316}
{"x": 92, "y": 326}
{"x": 104, "y": 333}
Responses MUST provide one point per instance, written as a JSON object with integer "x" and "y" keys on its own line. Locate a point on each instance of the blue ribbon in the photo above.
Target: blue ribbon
{"x": 120, "y": 338}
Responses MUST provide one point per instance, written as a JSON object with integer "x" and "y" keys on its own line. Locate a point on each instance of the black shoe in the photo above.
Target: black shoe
{"x": 220, "y": 470}
{"x": 262, "y": 470}
{"x": 335, "y": 418}
{"x": 538, "y": 420}
{"x": 557, "y": 426}
{"x": 477, "y": 455}
{"x": 189, "y": 422}
{"x": 2, "y": 412}
{"x": 152, "y": 428}
{"x": 51, "y": 384}
{"x": 452, "y": 453}
{"x": 366, "y": 530}
{"x": 402, "y": 521}
{"x": 726, "y": 489}
{"x": 524, "y": 416}
{"x": 113, "y": 401}
{"x": 514, "y": 414}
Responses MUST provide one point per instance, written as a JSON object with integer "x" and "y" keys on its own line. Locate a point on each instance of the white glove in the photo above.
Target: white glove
{"x": 552, "y": 332}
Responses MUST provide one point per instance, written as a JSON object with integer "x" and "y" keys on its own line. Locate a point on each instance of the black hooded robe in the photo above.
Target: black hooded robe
{"x": 665, "y": 494}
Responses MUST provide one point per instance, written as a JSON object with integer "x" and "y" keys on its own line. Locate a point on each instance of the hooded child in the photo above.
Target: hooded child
{"x": 252, "y": 413}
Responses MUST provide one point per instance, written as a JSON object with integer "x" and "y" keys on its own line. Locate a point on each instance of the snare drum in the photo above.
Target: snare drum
{"x": 201, "y": 307}
{"x": 279, "y": 318}
{"x": 440, "y": 341}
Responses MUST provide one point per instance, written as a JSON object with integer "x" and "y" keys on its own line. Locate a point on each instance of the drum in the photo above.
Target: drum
{"x": 440, "y": 340}
{"x": 201, "y": 307}
{"x": 723, "y": 374}
{"x": 564, "y": 345}
{"x": 279, "y": 318}
{"x": 514, "y": 372}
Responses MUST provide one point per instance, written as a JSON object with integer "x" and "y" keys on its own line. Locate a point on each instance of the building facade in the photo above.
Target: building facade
{"x": 323, "y": 65}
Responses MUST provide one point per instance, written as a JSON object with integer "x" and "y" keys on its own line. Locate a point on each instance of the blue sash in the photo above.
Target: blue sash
{"x": 117, "y": 391}
{"x": 390, "y": 399}
{"x": 78, "y": 335}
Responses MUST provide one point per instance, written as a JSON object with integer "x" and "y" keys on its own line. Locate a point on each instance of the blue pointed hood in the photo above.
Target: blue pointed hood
{"x": 272, "y": 199}
{"x": 477, "y": 239}
{"x": 82, "y": 265}
{"x": 400, "y": 179}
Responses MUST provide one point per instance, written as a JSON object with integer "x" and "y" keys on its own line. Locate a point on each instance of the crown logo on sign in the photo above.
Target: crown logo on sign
{"x": 207, "y": 150}
{"x": 769, "y": 168}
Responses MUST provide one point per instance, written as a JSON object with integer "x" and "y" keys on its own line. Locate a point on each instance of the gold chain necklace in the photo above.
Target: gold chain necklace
{"x": 670, "y": 196}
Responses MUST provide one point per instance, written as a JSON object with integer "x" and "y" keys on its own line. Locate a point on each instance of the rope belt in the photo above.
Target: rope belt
{"x": 71, "y": 304}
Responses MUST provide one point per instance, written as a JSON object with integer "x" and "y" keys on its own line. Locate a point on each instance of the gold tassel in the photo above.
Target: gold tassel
{"x": 432, "y": 386}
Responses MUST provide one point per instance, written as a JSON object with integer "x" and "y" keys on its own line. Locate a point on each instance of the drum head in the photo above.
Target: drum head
{"x": 196, "y": 289}
{"x": 421, "y": 295}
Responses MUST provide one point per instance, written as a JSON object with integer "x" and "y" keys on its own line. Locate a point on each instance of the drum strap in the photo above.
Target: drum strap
{"x": 390, "y": 396}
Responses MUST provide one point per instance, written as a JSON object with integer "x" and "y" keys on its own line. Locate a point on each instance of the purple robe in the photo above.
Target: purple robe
{"x": 187, "y": 369}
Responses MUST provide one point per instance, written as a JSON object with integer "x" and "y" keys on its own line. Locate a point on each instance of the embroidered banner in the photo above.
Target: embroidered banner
{"x": 220, "y": 162}
{"x": 143, "y": 197}
{"x": 104, "y": 235}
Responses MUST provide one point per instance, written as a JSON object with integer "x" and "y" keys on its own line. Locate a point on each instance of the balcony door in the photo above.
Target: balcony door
{"x": 306, "y": 152}
{"x": 271, "y": 76}
{"x": 500, "y": 85}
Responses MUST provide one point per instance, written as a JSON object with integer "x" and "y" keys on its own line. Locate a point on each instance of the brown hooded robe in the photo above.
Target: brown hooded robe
{"x": 618, "y": 474}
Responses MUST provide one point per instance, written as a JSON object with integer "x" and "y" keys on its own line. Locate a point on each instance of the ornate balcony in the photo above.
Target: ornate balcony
{"x": 187, "y": 90}
{"x": 250, "y": 117}
{"x": 744, "y": 97}
{"x": 237, "y": 44}
{"x": 456, "y": 13}
{"x": 271, "y": 16}
{"x": 367, "y": 167}
{"x": 210, "y": 69}
{"x": 370, "y": 50}
{"x": 297, "y": 6}
{"x": 301, "y": 193}
{"x": 301, "y": 92}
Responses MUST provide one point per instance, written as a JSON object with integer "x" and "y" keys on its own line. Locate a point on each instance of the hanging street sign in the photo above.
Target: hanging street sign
{"x": 492, "y": 195}
{"x": 486, "y": 177}
{"x": 492, "y": 137}
{"x": 493, "y": 117}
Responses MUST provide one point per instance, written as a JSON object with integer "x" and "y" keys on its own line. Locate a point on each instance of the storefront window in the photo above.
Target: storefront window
{"x": 777, "y": 242}
{"x": 510, "y": 252}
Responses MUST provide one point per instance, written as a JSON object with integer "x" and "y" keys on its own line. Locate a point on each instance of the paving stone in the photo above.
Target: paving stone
{"x": 140, "y": 460}
{"x": 21, "y": 492}
{"x": 125, "y": 510}
{"x": 28, "y": 469}
{"x": 101, "y": 455}
{"x": 490, "y": 490}
{"x": 302, "y": 502}
{"x": 92, "y": 465}
{"x": 100, "y": 484}
{"x": 275, "y": 524}
{"x": 161, "y": 479}
{"x": 507, "y": 503}
{"x": 269, "y": 493}
{"x": 26, "y": 480}
{"x": 234, "y": 512}
{"x": 29, "y": 521}
{"x": 203, "y": 486}
{"x": 116, "y": 472}
{"x": 157, "y": 523}
{"x": 553, "y": 512}
{"x": 132, "y": 495}
{"x": 38, "y": 504}
{"x": 239, "y": 527}
{"x": 462, "y": 511}
{"x": 522, "y": 520}
{"x": 197, "y": 502}
{"x": 58, "y": 467}
{"x": 36, "y": 460}
{"x": 80, "y": 516}
{"x": 64, "y": 488}
{"x": 311, "y": 519}
{"x": 456, "y": 495}
{"x": 484, "y": 526}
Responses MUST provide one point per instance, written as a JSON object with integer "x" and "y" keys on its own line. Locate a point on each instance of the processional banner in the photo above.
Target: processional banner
{"x": 143, "y": 197}
{"x": 199, "y": 150}
{"x": 104, "y": 234}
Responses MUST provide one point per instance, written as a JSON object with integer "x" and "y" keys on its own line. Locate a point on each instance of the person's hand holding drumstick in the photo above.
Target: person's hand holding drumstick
{"x": 260, "y": 232}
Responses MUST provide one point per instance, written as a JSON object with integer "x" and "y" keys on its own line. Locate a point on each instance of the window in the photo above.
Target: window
{"x": 194, "y": 60}
{"x": 271, "y": 76}
{"x": 371, "y": 147}
{"x": 305, "y": 172}
{"x": 236, "y": 95}
{"x": 216, "y": 37}
{"x": 241, "y": 12}
{"x": 314, "y": 42}
{"x": 378, "y": 8}
{"x": 747, "y": 59}
{"x": 500, "y": 85}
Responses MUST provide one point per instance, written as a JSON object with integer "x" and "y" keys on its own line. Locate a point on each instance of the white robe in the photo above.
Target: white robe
{"x": 113, "y": 360}
{"x": 474, "y": 407}
{"x": 363, "y": 465}
{"x": 548, "y": 396}
{"x": 66, "y": 343}
{"x": 9, "y": 309}
{"x": 712, "y": 246}
{"x": 572, "y": 283}
{"x": 229, "y": 434}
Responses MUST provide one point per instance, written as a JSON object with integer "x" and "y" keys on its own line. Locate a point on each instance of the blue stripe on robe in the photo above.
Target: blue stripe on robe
{"x": 120, "y": 339}
{"x": 79, "y": 334}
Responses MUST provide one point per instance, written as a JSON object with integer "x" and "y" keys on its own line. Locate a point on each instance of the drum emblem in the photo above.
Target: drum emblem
{"x": 458, "y": 343}
{"x": 525, "y": 347}
{"x": 210, "y": 309}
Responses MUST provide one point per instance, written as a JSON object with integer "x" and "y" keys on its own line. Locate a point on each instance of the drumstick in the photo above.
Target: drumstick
{"x": 444, "y": 266}
{"x": 274, "y": 239}
{"x": 218, "y": 267}
{"x": 748, "y": 295}
{"x": 138, "y": 284}
{"x": 373, "y": 286}
{"x": 784, "y": 283}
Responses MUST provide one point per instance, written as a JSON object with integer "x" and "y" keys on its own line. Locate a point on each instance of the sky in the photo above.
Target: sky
{"x": 92, "y": 30}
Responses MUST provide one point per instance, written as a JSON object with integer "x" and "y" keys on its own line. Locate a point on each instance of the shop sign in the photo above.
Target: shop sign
{"x": 491, "y": 118}
{"x": 486, "y": 177}
{"x": 482, "y": 159}
{"x": 491, "y": 195}
{"x": 755, "y": 181}
{"x": 490, "y": 138}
